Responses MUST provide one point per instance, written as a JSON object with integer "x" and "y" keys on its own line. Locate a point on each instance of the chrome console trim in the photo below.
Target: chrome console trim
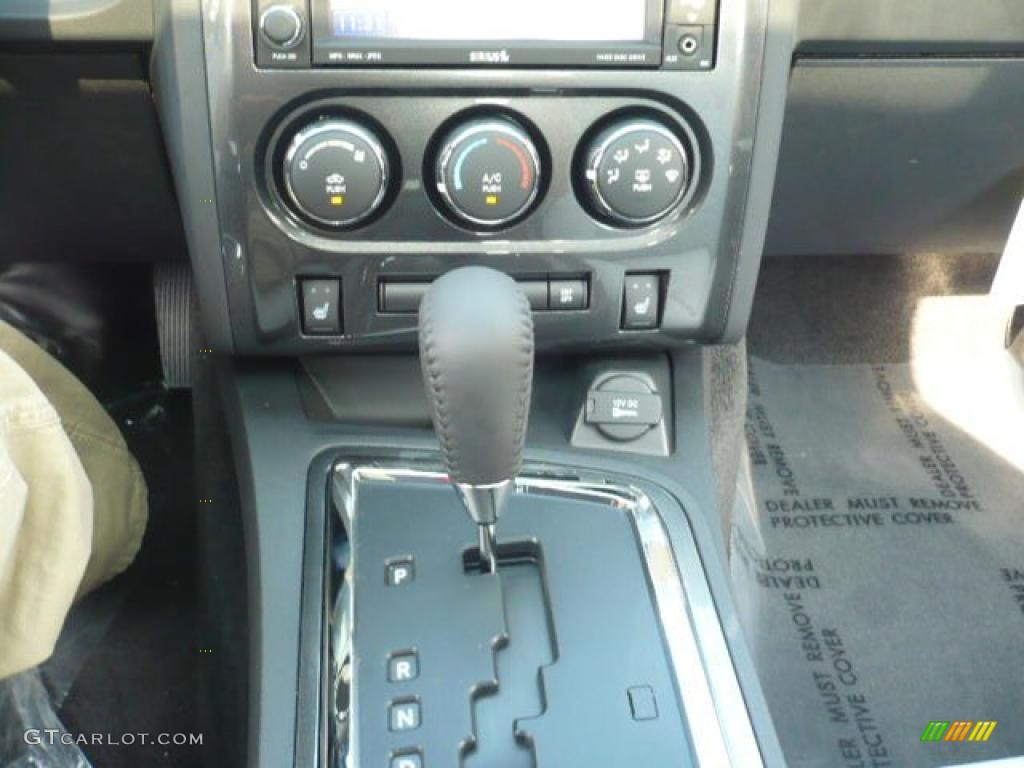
{"x": 717, "y": 719}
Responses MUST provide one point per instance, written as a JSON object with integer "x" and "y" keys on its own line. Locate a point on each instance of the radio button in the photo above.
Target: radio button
{"x": 282, "y": 26}
{"x": 636, "y": 172}
{"x": 336, "y": 173}
{"x": 488, "y": 172}
{"x": 692, "y": 12}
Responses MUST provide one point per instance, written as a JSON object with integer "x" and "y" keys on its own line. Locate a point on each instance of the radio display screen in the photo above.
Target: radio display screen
{"x": 546, "y": 21}
{"x": 489, "y": 33}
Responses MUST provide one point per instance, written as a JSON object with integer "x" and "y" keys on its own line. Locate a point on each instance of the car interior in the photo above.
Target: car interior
{"x": 493, "y": 384}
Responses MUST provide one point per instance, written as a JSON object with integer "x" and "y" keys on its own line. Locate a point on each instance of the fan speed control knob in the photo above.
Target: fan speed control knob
{"x": 336, "y": 173}
{"x": 636, "y": 172}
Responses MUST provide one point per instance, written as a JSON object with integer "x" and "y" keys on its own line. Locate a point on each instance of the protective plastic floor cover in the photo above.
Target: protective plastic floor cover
{"x": 879, "y": 568}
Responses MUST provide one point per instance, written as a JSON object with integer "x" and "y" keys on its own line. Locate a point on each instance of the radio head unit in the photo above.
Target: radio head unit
{"x": 614, "y": 34}
{"x": 625, "y": 33}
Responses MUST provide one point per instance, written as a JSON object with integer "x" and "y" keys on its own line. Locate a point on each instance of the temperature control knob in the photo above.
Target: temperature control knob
{"x": 636, "y": 172}
{"x": 488, "y": 172}
{"x": 336, "y": 172}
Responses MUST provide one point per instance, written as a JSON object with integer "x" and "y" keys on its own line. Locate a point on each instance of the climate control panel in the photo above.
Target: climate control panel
{"x": 485, "y": 172}
{"x": 607, "y": 206}
{"x": 613, "y": 162}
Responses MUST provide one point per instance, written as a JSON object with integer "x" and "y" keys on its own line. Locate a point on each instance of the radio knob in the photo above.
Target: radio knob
{"x": 336, "y": 173}
{"x": 636, "y": 172}
{"x": 488, "y": 172}
{"x": 282, "y": 26}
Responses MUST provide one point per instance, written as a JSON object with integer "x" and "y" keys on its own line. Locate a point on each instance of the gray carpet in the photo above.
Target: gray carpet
{"x": 878, "y": 558}
{"x": 853, "y": 309}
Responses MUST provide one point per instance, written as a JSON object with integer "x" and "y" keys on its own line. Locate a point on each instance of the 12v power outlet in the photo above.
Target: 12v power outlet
{"x": 623, "y": 408}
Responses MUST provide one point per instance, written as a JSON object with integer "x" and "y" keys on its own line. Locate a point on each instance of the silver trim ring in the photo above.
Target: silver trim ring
{"x": 498, "y": 126}
{"x": 299, "y": 26}
{"x": 715, "y": 711}
{"x": 597, "y": 157}
{"x": 352, "y": 129}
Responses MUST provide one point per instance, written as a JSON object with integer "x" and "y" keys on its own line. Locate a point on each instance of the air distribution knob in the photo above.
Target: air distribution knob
{"x": 336, "y": 172}
{"x": 636, "y": 171}
{"x": 488, "y": 172}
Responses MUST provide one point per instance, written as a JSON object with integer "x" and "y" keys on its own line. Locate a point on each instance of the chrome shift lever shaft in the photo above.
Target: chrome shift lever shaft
{"x": 485, "y": 503}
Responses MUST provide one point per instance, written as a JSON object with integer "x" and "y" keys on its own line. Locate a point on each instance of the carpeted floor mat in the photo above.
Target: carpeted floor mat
{"x": 879, "y": 562}
{"x": 142, "y": 678}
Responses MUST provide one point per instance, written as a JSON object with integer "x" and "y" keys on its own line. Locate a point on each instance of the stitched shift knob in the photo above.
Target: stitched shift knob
{"x": 476, "y": 351}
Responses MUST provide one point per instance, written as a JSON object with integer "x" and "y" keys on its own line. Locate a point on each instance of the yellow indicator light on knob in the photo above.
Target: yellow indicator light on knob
{"x": 337, "y": 200}
{"x": 491, "y": 200}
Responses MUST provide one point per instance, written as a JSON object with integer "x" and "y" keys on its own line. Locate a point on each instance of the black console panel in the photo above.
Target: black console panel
{"x": 362, "y": 177}
{"x": 498, "y": 682}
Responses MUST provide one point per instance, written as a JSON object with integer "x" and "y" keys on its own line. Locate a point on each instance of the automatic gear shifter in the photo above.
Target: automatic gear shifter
{"x": 476, "y": 351}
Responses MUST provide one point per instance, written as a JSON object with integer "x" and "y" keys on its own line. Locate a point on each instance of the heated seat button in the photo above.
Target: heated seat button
{"x": 568, "y": 294}
{"x": 641, "y": 302}
{"x": 321, "y": 307}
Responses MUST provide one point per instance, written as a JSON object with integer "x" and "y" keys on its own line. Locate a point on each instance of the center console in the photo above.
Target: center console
{"x": 609, "y": 158}
{"x": 339, "y": 163}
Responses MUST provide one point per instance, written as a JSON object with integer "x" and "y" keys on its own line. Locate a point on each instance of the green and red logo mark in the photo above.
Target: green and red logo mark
{"x": 958, "y": 730}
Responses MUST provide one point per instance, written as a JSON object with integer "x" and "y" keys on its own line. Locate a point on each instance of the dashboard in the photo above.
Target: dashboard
{"x": 601, "y": 154}
{"x": 941, "y": 78}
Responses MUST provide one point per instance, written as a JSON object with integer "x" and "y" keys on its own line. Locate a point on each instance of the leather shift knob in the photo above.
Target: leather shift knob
{"x": 476, "y": 351}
